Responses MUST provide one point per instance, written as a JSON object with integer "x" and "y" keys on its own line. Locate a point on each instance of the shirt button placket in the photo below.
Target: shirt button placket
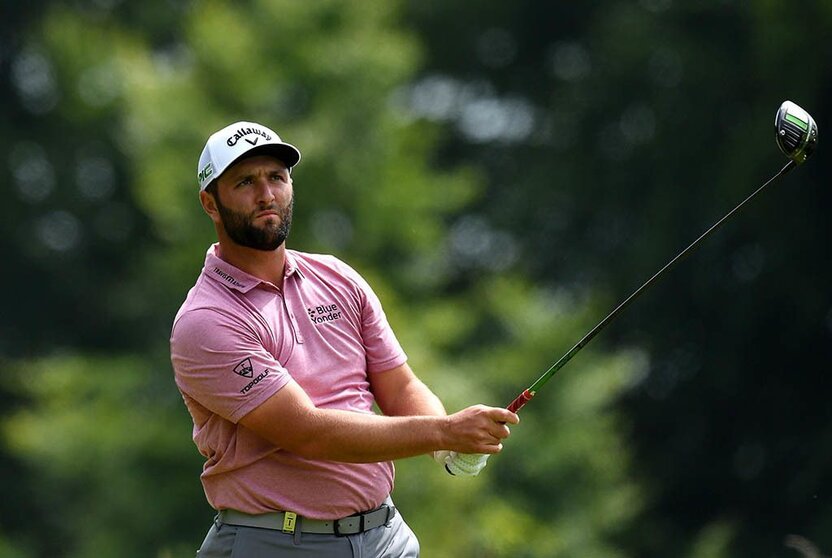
{"x": 291, "y": 314}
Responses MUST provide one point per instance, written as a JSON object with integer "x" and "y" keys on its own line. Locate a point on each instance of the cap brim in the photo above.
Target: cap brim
{"x": 287, "y": 153}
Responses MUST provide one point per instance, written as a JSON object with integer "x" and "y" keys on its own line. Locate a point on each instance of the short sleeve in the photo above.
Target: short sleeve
{"x": 220, "y": 361}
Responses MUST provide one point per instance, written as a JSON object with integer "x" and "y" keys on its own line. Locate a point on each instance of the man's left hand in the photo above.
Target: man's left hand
{"x": 461, "y": 464}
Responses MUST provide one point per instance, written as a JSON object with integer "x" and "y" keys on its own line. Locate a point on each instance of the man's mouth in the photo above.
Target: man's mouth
{"x": 267, "y": 213}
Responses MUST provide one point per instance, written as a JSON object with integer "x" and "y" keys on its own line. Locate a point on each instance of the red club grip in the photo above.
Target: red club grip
{"x": 521, "y": 400}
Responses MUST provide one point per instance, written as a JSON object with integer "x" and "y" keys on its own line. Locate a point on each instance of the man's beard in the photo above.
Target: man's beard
{"x": 241, "y": 229}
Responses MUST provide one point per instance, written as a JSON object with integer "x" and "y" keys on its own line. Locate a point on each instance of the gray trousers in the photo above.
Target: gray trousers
{"x": 392, "y": 540}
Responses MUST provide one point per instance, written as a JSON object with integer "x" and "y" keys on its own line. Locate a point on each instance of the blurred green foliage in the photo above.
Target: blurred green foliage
{"x": 502, "y": 174}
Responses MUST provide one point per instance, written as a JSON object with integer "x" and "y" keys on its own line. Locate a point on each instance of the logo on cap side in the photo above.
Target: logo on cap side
{"x": 206, "y": 172}
{"x": 243, "y": 132}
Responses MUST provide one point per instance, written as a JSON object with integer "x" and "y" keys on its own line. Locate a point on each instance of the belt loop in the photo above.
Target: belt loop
{"x": 298, "y": 530}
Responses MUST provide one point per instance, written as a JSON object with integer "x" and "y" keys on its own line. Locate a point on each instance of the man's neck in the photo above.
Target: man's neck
{"x": 265, "y": 265}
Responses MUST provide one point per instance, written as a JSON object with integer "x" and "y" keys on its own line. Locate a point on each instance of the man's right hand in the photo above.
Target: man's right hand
{"x": 478, "y": 429}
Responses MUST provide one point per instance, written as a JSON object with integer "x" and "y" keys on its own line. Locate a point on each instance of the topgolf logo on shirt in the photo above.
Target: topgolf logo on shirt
{"x": 324, "y": 313}
{"x": 244, "y": 369}
{"x": 256, "y": 381}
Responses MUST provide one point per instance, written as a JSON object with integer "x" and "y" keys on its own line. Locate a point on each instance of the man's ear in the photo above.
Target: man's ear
{"x": 209, "y": 205}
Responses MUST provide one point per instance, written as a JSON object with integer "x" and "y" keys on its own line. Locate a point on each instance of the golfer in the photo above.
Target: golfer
{"x": 280, "y": 356}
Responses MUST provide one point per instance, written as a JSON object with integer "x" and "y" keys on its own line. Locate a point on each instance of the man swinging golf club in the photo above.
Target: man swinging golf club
{"x": 280, "y": 356}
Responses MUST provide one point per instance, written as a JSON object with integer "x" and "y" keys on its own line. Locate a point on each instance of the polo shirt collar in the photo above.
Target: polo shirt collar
{"x": 234, "y": 278}
{"x": 292, "y": 265}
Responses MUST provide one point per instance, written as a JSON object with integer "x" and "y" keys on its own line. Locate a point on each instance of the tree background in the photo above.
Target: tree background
{"x": 503, "y": 174}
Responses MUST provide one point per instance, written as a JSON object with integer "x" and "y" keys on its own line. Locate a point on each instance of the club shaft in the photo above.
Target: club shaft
{"x": 530, "y": 392}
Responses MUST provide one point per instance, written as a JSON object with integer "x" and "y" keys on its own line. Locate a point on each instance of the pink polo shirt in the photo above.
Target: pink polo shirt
{"x": 237, "y": 340}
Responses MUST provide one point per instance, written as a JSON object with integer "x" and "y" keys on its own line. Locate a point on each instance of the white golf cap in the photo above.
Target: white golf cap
{"x": 230, "y": 144}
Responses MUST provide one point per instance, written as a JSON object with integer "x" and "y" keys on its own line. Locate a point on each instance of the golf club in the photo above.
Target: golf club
{"x": 797, "y": 136}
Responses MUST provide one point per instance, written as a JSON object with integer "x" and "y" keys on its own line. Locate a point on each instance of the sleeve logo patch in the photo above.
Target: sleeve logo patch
{"x": 256, "y": 381}
{"x": 244, "y": 369}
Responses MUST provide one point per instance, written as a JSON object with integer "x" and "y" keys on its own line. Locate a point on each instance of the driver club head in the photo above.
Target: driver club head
{"x": 796, "y": 132}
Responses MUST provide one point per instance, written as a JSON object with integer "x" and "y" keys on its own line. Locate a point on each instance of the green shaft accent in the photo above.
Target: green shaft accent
{"x": 560, "y": 364}
{"x": 795, "y": 120}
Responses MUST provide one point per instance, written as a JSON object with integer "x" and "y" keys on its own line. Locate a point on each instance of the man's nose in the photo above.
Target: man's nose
{"x": 265, "y": 193}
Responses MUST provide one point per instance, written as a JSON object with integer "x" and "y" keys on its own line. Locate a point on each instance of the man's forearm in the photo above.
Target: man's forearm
{"x": 290, "y": 421}
{"x": 360, "y": 438}
{"x": 415, "y": 399}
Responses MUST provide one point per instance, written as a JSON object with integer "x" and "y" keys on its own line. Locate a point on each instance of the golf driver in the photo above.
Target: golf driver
{"x": 797, "y": 136}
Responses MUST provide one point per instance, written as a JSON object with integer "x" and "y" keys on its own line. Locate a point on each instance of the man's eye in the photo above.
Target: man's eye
{"x": 244, "y": 182}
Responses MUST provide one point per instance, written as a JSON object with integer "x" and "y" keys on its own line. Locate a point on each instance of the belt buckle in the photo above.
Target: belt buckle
{"x": 337, "y": 529}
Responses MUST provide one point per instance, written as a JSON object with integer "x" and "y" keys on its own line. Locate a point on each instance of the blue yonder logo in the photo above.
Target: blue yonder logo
{"x": 324, "y": 313}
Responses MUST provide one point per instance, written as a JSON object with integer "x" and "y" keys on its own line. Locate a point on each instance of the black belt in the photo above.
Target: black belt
{"x": 289, "y": 521}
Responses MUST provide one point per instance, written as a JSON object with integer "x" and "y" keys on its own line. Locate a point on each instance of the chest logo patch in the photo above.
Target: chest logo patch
{"x": 324, "y": 313}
